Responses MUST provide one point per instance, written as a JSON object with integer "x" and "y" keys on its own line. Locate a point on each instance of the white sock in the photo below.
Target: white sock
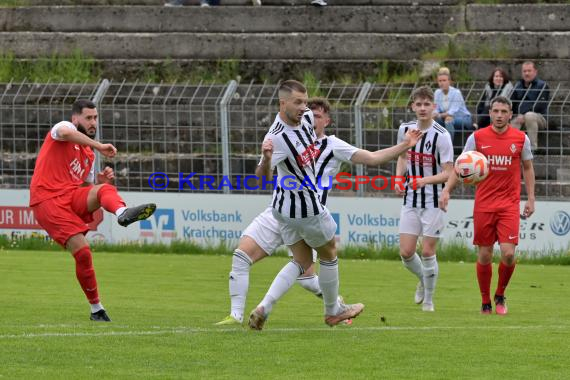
{"x": 95, "y": 307}
{"x": 120, "y": 210}
{"x": 280, "y": 285}
{"x": 328, "y": 280}
{"x": 239, "y": 283}
{"x": 311, "y": 283}
{"x": 431, "y": 272}
{"x": 414, "y": 265}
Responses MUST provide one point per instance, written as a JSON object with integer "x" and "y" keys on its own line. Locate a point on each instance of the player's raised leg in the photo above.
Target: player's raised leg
{"x": 106, "y": 196}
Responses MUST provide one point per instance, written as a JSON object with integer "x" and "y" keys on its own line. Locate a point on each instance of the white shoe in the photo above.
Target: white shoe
{"x": 428, "y": 307}
{"x": 257, "y": 3}
{"x": 419, "y": 296}
{"x": 319, "y": 3}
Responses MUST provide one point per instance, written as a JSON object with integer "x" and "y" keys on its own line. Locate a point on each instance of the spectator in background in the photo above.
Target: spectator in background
{"x": 530, "y": 103}
{"x": 450, "y": 110}
{"x": 498, "y": 84}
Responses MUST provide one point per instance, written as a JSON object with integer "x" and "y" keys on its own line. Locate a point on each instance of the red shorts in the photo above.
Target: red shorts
{"x": 65, "y": 215}
{"x": 502, "y": 226}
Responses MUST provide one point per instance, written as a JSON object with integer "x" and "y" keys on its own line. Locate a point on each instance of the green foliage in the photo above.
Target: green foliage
{"x": 391, "y": 72}
{"x": 313, "y": 84}
{"x": 76, "y": 68}
{"x": 499, "y": 50}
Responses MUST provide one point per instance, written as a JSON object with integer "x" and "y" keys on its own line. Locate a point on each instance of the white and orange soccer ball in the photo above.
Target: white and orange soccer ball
{"x": 471, "y": 167}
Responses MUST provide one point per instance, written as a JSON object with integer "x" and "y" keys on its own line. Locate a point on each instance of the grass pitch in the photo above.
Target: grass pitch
{"x": 163, "y": 309}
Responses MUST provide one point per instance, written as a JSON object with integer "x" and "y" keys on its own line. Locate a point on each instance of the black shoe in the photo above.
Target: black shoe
{"x": 486, "y": 308}
{"x": 134, "y": 214}
{"x": 100, "y": 316}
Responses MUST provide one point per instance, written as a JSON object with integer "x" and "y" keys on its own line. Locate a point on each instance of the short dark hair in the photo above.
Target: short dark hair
{"x": 291, "y": 85}
{"x": 530, "y": 63}
{"x": 422, "y": 92}
{"x": 316, "y": 103}
{"x": 501, "y": 99}
{"x": 79, "y": 104}
{"x": 504, "y": 74}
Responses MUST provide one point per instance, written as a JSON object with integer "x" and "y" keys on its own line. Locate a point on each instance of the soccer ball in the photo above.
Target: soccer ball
{"x": 471, "y": 167}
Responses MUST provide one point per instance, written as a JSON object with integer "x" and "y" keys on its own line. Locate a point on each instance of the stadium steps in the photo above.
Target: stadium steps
{"x": 352, "y": 37}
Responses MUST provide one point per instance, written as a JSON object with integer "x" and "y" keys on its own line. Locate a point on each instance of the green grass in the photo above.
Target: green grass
{"x": 452, "y": 251}
{"x": 163, "y": 307}
{"x": 76, "y": 68}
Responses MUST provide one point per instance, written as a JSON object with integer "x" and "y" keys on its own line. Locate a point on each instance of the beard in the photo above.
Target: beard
{"x": 90, "y": 134}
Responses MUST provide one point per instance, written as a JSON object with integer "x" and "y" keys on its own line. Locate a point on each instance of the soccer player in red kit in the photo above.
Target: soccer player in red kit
{"x": 64, "y": 197}
{"x": 497, "y": 199}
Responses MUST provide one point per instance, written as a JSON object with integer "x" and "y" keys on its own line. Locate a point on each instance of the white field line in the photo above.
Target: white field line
{"x": 197, "y": 330}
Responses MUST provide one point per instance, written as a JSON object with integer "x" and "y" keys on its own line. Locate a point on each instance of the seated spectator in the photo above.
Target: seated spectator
{"x": 498, "y": 84}
{"x": 450, "y": 110}
{"x": 530, "y": 103}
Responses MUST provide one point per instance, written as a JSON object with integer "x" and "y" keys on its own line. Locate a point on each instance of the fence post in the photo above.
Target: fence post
{"x": 224, "y": 121}
{"x": 101, "y": 91}
{"x": 364, "y": 90}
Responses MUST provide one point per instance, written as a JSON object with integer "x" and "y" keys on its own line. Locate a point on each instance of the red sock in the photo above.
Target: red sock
{"x": 109, "y": 198}
{"x": 484, "y": 275}
{"x": 86, "y": 274}
{"x": 505, "y": 273}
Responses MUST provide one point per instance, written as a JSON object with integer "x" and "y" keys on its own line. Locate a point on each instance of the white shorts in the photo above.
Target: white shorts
{"x": 316, "y": 230}
{"x": 265, "y": 230}
{"x": 422, "y": 221}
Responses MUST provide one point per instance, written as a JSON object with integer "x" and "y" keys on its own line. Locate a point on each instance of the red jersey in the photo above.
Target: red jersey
{"x": 61, "y": 166}
{"x": 501, "y": 190}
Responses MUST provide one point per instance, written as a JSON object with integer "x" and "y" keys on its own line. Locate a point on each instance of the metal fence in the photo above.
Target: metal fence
{"x": 217, "y": 129}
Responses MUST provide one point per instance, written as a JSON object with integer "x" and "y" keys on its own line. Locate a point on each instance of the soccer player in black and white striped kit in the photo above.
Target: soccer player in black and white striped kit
{"x": 263, "y": 236}
{"x": 427, "y": 167}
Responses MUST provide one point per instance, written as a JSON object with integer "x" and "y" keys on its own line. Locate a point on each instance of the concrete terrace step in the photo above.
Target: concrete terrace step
{"x": 332, "y": 46}
{"x": 287, "y": 19}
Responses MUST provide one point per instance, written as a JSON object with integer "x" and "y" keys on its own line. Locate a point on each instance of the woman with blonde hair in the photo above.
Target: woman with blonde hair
{"x": 450, "y": 110}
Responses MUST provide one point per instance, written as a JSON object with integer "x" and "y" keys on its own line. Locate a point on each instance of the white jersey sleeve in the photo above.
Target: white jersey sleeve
{"x": 400, "y": 134}
{"x": 470, "y": 143}
{"x": 446, "y": 149}
{"x": 341, "y": 149}
{"x": 279, "y": 151}
{"x": 58, "y": 126}
{"x": 526, "y": 153}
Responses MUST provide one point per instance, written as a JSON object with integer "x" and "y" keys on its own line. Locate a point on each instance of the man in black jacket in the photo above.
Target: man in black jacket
{"x": 530, "y": 103}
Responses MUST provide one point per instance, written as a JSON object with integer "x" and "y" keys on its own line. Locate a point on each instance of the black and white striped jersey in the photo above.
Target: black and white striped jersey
{"x": 424, "y": 160}
{"x": 299, "y": 158}
{"x": 332, "y": 153}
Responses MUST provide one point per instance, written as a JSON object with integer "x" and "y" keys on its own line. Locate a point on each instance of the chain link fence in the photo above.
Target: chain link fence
{"x": 195, "y": 134}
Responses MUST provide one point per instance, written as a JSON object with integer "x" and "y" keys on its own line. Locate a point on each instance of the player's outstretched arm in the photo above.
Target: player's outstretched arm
{"x": 384, "y": 155}
{"x": 264, "y": 167}
{"x": 529, "y": 181}
{"x": 68, "y": 134}
{"x": 446, "y": 192}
